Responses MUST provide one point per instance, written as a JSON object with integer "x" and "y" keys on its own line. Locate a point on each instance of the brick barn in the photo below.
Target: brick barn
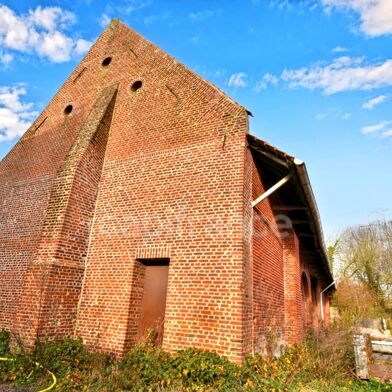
{"x": 138, "y": 199}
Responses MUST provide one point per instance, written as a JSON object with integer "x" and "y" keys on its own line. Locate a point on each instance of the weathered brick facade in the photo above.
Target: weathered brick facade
{"x": 152, "y": 163}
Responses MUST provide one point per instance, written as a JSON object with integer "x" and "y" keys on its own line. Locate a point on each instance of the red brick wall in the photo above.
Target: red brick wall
{"x": 26, "y": 178}
{"x": 163, "y": 172}
{"x": 279, "y": 258}
{"x": 172, "y": 186}
{"x": 27, "y": 174}
{"x": 248, "y": 296}
{"x": 19, "y": 234}
{"x": 51, "y": 292}
{"x": 311, "y": 268}
{"x": 292, "y": 288}
{"x": 268, "y": 284}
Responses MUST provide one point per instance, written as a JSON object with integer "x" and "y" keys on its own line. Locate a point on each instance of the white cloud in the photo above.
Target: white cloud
{"x": 196, "y": 39}
{"x": 203, "y": 15}
{"x": 127, "y": 7}
{"x": 219, "y": 73}
{"x": 104, "y": 20}
{"x": 371, "y": 103}
{"x": 343, "y": 74}
{"x": 130, "y": 6}
{"x": 281, "y": 4}
{"x": 51, "y": 18}
{"x": 237, "y": 80}
{"x": 375, "y": 15}
{"x": 375, "y": 128}
{"x": 40, "y": 32}
{"x": 380, "y": 130}
{"x": 82, "y": 46}
{"x": 321, "y": 116}
{"x": 335, "y": 112}
{"x": 290, "y": 5}
{"x": 15, "y": 115}
{"x": 265, "y": 81}
{"x": 156, "y": 18}
{"x": 6, "y": 58}
{"x": 339, "y": 49}
{"x": 387, "y": 133}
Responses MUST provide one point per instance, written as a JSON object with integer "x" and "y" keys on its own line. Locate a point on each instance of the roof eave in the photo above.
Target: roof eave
{"x": 309, "y": 195}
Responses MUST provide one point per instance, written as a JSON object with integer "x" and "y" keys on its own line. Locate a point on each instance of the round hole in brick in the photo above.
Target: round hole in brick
{"x": 136, "y": 86}
{"x": 68, "y": 109}
{"x": 106, "y": 61}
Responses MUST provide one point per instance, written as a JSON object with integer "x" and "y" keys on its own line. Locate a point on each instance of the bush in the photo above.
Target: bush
{"x": 356, "y": 301}
{"x": 74, "y": 366}
{"x": 322, "y": 363}
{"x": 145, "y": 367}
{"x": 325, "y": 358}
{"x": 62, "y": 355}
{"x": 204, "y": 370}
{"x": 149, "y": 368}
{"x": 4, "y": 342}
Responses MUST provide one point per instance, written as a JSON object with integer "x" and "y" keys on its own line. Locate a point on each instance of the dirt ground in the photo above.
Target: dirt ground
{"x": 7, "y": 388}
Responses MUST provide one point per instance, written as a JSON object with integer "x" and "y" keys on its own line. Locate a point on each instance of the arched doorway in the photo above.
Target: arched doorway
{"x": 315, "y": 301}
{"x": 305, "y": 301}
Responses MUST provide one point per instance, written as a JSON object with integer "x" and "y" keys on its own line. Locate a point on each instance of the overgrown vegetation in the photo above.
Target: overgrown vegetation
{"x": 362, "y": 260}
{"x": 322, "y": 363}
{"x": 363, "y": 255}
{"x": 4, "y": 342}
{"x": 357, "y": 302}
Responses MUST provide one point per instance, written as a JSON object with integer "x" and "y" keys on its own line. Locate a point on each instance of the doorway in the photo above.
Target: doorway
{"x": 153, "y": 306}
{"x": 305, "y": 302}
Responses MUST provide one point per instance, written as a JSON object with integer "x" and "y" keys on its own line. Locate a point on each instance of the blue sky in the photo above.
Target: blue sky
{"x": 316, "y": 74}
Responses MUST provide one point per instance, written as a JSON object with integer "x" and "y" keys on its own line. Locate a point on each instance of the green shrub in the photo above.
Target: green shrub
{"x": 21, "y": 371}
{"x": 74, "y": 366}
{"x": 149, "y": 368}
{"x": 4, "y": 342}
{"x": 321, "y": 363}
{"x": 204, "y": 370}
{"x": 145, "y": 367}
{"x": 355, "y": 302}
{"x": 62, "y": 355}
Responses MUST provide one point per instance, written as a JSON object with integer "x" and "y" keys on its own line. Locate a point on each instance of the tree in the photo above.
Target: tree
{"x": 364, "y": 254}
{"x": 331, "y": 251}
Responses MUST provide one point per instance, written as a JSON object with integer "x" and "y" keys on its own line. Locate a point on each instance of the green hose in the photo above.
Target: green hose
{"x": 38, "y": 365}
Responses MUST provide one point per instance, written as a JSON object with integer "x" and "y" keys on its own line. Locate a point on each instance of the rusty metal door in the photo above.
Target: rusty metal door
{"x": 154, "y": 299}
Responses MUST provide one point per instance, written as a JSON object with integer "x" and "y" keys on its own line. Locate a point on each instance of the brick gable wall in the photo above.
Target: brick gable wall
{"x": 172, "y": 186}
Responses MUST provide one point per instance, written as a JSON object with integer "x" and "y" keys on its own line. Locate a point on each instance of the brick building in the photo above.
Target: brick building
{"x": 133, "y": 201}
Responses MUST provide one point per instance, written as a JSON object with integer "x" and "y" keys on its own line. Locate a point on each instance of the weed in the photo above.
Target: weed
{"x": 324, "y": 363}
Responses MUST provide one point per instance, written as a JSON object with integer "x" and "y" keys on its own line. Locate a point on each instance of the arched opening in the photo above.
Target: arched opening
{"x": 106, "y": 61}
{"x": 136, "y": 86}
{"x": 315, "y": 300}
{"x": 305, "y": 300}
{"x": 326, "y": 308}
{"x": 68, "y": 110}
{"x": 314, "y": 285}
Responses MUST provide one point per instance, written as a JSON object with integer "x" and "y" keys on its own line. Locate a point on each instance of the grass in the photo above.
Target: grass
{"x": 322, "y": 363}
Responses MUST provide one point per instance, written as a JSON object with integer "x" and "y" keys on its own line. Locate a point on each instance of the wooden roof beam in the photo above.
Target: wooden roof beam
{"x": 289, "y": 208}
